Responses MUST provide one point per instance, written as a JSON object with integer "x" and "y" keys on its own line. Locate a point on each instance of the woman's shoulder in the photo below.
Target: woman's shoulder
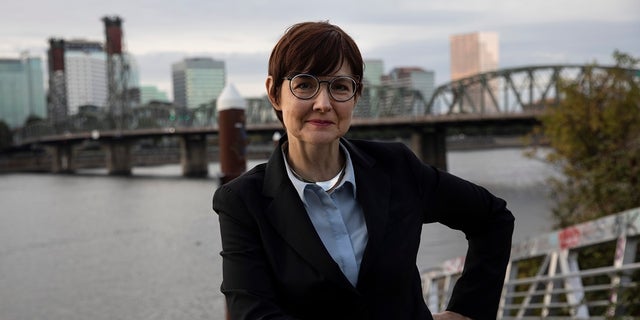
{"x": 247, "y": 181}
{"x": 245, "y": 187}
{"x": 381, "y": 149}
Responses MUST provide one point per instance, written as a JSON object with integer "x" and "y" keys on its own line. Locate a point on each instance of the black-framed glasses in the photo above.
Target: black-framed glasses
{"x": 305, "y": 86}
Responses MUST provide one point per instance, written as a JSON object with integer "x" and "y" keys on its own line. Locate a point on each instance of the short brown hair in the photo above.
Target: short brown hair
{"x": 317, "y": 48}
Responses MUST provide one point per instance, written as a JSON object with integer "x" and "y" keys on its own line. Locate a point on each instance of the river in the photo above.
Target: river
{"x": 93, "y": 246}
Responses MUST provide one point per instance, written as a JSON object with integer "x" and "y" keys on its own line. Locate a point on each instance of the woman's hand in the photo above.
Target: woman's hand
{"x": 448, "y": 315}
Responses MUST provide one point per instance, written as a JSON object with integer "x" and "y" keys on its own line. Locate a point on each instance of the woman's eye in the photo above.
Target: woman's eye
{"x": 303, "y": 85}
{"x": 342, "y": 85}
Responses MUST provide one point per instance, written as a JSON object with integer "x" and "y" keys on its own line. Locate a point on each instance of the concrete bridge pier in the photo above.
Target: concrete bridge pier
{"x": 119, "y": 160}
{"x": 62, "y": 161}
{"x": 193, "y": 155}
{"x": 429, "y": 144}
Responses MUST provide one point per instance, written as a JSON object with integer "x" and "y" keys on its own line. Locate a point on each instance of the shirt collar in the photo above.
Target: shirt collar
{"x": 300, "y": 186}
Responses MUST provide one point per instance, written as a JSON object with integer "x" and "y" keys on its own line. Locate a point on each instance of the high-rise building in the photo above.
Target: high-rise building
{"x": 86, "y": 74}
{"x": 21, "y": 90}
{"x": 405, "y": 91}
{"x": 369, "y": 102}
{"x": 197, "y": 81}
{"x": 413, "y": 78}
{"x": 373, "y": 72}
{"x": 471, "y": 54}
{"x": 152, "y": 93}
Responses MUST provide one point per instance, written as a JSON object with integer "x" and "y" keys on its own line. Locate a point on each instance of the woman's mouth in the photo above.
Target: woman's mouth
{"x": 320, "y": 122}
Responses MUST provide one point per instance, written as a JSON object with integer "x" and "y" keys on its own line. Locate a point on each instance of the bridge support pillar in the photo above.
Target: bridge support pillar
{"x": 193, "y": 155}
{"x": 429, "y": 144}
{"x": 62, "y": 158}
{"x": 118, "y": 160}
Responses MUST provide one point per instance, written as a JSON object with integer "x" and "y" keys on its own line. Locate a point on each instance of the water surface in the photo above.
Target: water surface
{"x": 92, "y": 246}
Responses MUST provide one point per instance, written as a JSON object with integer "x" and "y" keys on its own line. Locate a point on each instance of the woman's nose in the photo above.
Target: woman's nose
{"x": 322, "y": 101}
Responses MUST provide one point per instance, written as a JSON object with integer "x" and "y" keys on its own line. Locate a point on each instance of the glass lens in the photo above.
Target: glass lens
{"x": 304, "y": 86}
{"x": 342, "y": 88}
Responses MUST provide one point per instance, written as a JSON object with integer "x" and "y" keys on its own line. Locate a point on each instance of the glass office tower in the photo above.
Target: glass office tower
{"x": 21, "y": 90}
{"x": 197, "y": 81}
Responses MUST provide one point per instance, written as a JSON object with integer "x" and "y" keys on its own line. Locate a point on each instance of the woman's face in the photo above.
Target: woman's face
{"x": 319, "y": 120}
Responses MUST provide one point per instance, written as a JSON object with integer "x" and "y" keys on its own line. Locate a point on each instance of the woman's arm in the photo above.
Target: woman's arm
{"x": 246, "y": 277}
{"x": 488, "y": 226}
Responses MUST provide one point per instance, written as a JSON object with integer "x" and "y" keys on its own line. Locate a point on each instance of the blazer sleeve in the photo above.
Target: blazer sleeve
{"x": 488, "y": 227}
{"x": 246, "y": 285}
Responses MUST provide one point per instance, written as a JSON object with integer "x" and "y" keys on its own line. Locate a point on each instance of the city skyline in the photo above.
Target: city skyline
{"x": 402, "y": 34}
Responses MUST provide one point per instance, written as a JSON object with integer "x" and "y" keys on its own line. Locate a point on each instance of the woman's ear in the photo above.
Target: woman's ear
{"x": 269, "y": 83}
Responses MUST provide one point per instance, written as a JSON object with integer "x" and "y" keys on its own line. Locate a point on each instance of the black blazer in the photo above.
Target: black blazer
{"x": 275, "y": 265}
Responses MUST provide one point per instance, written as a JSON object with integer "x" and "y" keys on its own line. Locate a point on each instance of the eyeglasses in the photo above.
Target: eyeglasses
{"x": 305, "y": 86}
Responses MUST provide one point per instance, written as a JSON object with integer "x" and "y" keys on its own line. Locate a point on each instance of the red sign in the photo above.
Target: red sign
{"x": 569, "y": 237}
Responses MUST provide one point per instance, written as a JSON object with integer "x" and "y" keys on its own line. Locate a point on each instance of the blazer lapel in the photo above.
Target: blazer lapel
{"x": 289, "y": 217}
{"x": 373, "y": 192}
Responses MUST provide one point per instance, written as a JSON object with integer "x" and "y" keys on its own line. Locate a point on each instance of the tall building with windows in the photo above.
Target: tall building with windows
{"x": 86, "y": 74}
{"x": 415, "y": 79}
{"x": 373, "y": 72}
{"x": 21, "y": 90}
{"x": 197, "y": 81}
{"x": 152, "y": 93}
{"x": 471, "y": 54}
{"x": 369, "y": 102}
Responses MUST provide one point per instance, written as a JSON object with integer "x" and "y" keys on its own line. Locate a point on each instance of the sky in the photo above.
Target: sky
{"x": 399, "y": 32}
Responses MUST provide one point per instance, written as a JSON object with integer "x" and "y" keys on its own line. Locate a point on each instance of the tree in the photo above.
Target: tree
{"x": 594, "y": 139}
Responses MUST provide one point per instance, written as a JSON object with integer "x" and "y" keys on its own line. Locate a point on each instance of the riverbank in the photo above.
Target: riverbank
{"x": 88, "y": 156}
{"x": 465, "y": 142}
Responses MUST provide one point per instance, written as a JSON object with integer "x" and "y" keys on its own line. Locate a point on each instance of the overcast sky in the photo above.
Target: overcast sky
{"x": 401, "y": 33}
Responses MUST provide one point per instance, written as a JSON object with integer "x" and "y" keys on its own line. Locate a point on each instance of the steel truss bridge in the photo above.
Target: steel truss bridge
{"x": 508, "y": 100}
{"x": 521, "y": 90}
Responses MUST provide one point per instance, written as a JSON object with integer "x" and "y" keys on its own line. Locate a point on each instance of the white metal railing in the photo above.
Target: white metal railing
{"x": 565, "y": 284}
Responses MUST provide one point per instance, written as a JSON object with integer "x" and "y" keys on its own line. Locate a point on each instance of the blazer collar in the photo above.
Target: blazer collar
{"x": 288, "y": 216}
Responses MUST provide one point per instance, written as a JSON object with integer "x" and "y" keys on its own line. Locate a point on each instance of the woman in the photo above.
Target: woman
{"x": 329, "y": 228}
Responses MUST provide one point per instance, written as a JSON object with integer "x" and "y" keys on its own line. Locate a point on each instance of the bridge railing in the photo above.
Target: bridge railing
{"x": 562, "y": 274}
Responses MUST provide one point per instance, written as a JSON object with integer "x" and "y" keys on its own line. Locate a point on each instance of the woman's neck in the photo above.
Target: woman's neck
{"x": 315, "y": 162}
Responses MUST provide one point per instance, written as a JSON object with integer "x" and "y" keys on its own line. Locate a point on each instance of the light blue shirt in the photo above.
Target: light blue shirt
{"x": 337, "y": 217}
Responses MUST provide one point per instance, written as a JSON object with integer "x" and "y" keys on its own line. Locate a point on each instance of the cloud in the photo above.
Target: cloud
{"x": 564, "y": 42}
{"x": 404, "y": 32}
